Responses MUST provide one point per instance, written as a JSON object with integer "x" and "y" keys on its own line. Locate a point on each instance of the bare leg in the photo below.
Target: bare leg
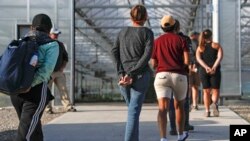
{"x": 215, "y": 95}
{"x": 215, "y": 99}
{"x": 180, "y": 115}
{"x": 163, "y": 104}
{"x": 195, "y": 95}
{"x": 207, "y": 100}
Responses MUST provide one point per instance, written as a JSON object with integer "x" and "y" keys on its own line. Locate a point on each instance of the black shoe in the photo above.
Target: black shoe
{"x": 72, "y": 109}
{"x": 189, "y": 128}
{"x": 173, "y": 132}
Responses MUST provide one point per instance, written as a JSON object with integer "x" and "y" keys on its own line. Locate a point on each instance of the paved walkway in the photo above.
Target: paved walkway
{"x": 106, "y": 122}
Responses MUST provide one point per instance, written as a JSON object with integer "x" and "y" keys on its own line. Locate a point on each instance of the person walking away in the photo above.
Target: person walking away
{"x": 131, "y": 53}
{"x": 30, "y": 106}
{"x": 170, "y": 58}
{"x": 209, "y": 55}
{"x": 187, "y": 126}
{"x": 58, "y": 76}
{"x": 194, "y": 79}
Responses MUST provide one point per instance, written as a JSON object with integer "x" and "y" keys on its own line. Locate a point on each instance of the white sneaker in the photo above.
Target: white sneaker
{"x": 183, "y": 137}
{"x": 163, "y": 139}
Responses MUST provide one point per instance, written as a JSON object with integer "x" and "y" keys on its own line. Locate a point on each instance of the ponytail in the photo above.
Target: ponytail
{"x": 202, "y": 41}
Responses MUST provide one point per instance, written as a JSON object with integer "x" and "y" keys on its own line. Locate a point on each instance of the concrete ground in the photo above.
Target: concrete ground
{"x": 106, "y": 122}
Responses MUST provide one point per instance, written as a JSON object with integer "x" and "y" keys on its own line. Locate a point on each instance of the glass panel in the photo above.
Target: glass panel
{"x": 60, "y": 12}
{"x": 229, "y": 39}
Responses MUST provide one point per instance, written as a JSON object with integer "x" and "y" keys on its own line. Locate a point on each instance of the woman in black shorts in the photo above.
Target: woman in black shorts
{"x": 209, "y": 55}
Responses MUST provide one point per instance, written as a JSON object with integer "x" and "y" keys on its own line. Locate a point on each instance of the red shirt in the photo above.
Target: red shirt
{"x": 168, "y": 53}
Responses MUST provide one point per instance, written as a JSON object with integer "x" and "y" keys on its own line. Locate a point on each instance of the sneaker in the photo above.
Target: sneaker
{"x": 72, "y": 109}
{"x": 49, "y": 112}
{"x": 189, "y": 128}
{"x": 163, "y": 139}
{"x": 215, "y": 108}
{"x": 173, "y": 132}
{"x": 207, "y": 114}
{"x": 195, "y": 108}
{"x": 184, "y": 137}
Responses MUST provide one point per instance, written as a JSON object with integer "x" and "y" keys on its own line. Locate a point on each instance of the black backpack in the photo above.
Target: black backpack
{"x": 63, "y": 56}
{"x": 17, "y": 67}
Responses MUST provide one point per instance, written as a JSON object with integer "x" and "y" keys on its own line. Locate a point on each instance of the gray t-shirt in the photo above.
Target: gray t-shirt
{"x": 132, "y": 50}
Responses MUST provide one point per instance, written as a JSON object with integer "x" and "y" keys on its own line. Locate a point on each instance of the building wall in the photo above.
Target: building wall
{"x": 22, "y": 12}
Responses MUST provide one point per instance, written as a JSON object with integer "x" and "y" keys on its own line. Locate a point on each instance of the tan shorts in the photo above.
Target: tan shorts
{"x": 167, "y": 83}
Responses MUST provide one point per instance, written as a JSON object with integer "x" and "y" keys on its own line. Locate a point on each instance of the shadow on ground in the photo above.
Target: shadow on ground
{"x": 115, "y": 132}
{"x": 7, "y": 135}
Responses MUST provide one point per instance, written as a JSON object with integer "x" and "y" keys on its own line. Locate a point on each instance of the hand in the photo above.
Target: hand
{"x": 125, "y": 80}
{"x": 213, "y": 70}
{"x": 208, "y": 70}
{"x": 128, "y": 79}
{"x": 194, "y": 68}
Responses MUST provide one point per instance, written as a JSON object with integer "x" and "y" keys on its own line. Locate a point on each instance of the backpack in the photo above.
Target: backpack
{"x": 63, "y": 56}
{"x": 18, "y": 65}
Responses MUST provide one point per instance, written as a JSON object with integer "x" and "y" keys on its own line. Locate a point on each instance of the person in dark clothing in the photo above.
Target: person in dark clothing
{"x": 131, "y": 53}
{"x": 187, "y": 126}
{"x": 209, "y": 55}
{"x": 30, "y": 106}
{"x": 194, "y": 79}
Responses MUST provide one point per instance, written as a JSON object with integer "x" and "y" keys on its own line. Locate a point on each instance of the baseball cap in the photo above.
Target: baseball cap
{"x": 193, "y": 33}
{"x": 55, "y": 31}
{"x": 42, "y": 21}
{"x": 167, "y": 21}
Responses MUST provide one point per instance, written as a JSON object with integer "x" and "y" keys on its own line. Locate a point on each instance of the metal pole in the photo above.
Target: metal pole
{"x": 56, "y": 14}
{"x": 72, "y": 66}
{"x": 208, "y": 16}
{"x": 216, "y": 21}
{"x": 28, "y": 11}
{"x": 239, "y": 38}
{"x": 201, "y": 14}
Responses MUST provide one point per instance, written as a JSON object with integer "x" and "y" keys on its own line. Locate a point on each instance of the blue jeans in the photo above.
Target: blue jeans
{"x": 134, "y": 97}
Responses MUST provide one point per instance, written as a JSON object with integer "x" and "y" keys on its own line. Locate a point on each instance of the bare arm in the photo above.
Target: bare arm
{"x": 186, "y": 57}
{"x": 154, "y": 63}
{"x": 219, "y": 58}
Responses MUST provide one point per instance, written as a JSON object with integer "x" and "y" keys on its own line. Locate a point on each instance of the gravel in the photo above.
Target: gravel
{"x": 9, "y": 121}
{"x": 240, "y": 107}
